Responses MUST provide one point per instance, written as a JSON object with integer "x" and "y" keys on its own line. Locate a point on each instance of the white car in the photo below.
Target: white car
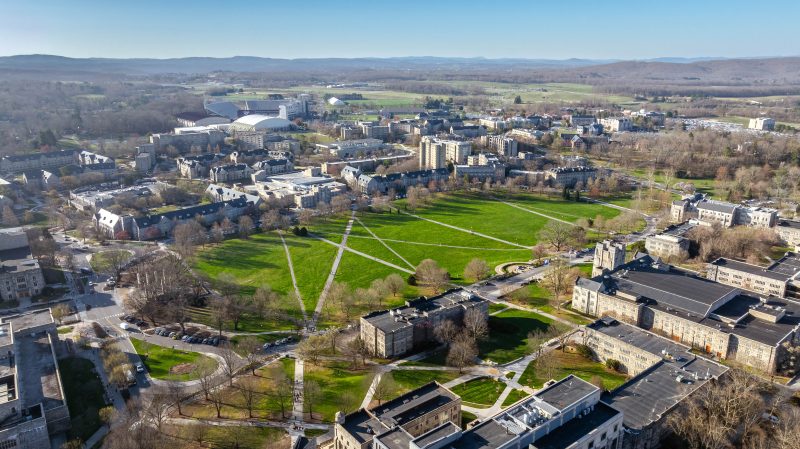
{"x": 139, "y": 368}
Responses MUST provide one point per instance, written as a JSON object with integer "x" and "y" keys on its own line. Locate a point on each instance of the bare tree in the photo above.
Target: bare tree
{"x": 176, "y": 394}
{"x": 206, "y": 378}
{"x": 187, "y": 236}
{"x": 445, "y": 333}
{"x": 229, "y": 359}
{"x": 246, "y": 227}
{"x": 312, "y": 348}
{"x": 283, "y": 389}
{"x": 546, "y": 366}
{"x": 60, "y": 311}
{"x": 157, "y": 410}
{"x": 385, "y": 389}
{"x": 311, "y": 394}
{"x": 559, "y": 280}
{"x": 251, "y": 347}
{"x": 556, "y": 234}
{"x": 463, "y": 352}
{"x": 248, "y": 390}
{"x": 476, "y": 270}
{"x": 428, "y": 272}
{"x": 395, "y": 284}
{"x": 476, "y": 324}
{"x": 217, "y": 400}
{"x": 113, "y": 261}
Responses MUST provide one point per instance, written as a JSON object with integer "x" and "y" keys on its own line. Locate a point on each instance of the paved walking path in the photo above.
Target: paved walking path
{"x": 441, "y": 245}
{"x": 384, "y": 244}
{"x": 294, "y": 278}
{"x": 297, "y": 407}
{"x": 537, "y": 213}
{"x": 465, "y": 230}
{"x": 362, "y": 254}
{"x": 334, "y": 269}
{"x": 371, "y": 390}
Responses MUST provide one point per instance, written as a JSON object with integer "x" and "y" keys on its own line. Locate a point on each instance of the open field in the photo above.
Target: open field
{"x": 84, "y": 394}
{"x": 514, "y": 396}
{"x": 569, "y": 363}
{"x": 480, "y": 227}
{"x": 266, "y": 406}
{"x": 341, "y": 388}
{"x": 162, "y": 362}
{"x": 508, "y": 334}
{"x": 407, "y": 380}
{"x": 480, "y": 392}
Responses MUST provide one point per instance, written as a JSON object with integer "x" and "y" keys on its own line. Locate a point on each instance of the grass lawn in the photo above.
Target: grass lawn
{"x": 514, "y": 396}
{"x": 569, "y": 363}
{"x": 64, "y": 330}
{"x": 408, "y": 380}
{"x": 466, "y": 418}
{"x": 508, "y": 332}
{"x": 341, "y": 388}
{"x": 99, "y": 261}
{"x": 495, "y": 307}
{"x": 481, "y": 392}
{"x": 160, "y": 361}
{"x": 267, "y": 404}
{"x": 84, "y": 393}
{"x": 536, "y": 296}
{"x": 224, "y": 437}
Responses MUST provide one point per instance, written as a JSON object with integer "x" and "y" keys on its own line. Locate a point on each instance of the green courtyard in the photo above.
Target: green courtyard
{"x": 453, "y": 229}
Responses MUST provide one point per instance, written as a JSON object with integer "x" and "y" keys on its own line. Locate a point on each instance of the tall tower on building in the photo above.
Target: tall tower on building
{"x": 431, "y": 153}
{"x": 608, "y": 255}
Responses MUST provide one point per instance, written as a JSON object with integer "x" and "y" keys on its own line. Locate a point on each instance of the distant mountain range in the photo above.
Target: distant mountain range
{"x": 780, "y": 70}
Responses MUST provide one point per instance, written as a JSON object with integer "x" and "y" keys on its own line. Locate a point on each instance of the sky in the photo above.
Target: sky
{"x": 612, "y": 29}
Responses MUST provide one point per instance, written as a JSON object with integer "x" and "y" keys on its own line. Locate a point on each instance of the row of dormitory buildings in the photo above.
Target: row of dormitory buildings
{"x": 688, "y": 213}
{"x": 569, "y": 413}
{"x": 44, "y": 170}
{"x": 738, "y": 312}
{"x": 213, "y": 166}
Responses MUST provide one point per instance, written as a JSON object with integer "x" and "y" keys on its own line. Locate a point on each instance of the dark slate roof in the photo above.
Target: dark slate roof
{"x": 640, "y": 338}
{"x": 363, "y": 426}
{"x": 412, "y": 405}
{"x": 189, "y": 212}
{"x": 716, "y": 206}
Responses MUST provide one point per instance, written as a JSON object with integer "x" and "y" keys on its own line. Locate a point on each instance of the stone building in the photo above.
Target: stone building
{"x": 709, "y": 316}
{"x": 665, "y": 373}
{"x": 230, "y": 173}
{"x": 570, "y": 176}
{"x": 564, "y": 414}
{"x": 726, "y": 214}
{"x": 608, "y": 255}
{"x": 391, "y": 333}
{"x": 671, "y": 242}
{"x": 20, "y": 273}
{"x": 33, "y": 405}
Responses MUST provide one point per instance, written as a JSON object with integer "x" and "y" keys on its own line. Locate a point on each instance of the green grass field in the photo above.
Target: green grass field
{"x": 401, "y": 240}
{"x": 341, "y": 387}
{"x": 480, "y": 392}
{"x": 407, "y": 380}
{"x": 99, "y": 261}
{"x": 160, "y": 361}
{"x": 508, "y": 334}
{"x": 514, "y": 396}
{"x": 84, "y": 394}
{"x": 569, "y": 363}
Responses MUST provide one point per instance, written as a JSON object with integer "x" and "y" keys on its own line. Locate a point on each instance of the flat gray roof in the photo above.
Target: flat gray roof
{"x": 637, "y": 337}
{"x": 646, "y": 397}
{"x": 28, "y": 320}
{"x": 752, "y": 269}
{"x": 363, "y": 426}
{"x": 36, "y": 372}
{"x": 566, "y": 392}
{"x": 486, "y": 435}
{"x": 436, "y": 434}
{"x": 672, "y": 288}
{"x": 396, "y": 438}
{"x": 788, "y": 265}
{"x": 575, "y": 429}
